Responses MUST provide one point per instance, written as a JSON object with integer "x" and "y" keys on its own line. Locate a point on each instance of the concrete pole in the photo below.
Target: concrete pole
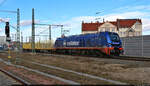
{"x": 142, "y": 45}
{"x": 49, "y": 32}
{"x": 124, "y": 40}
{"x": 18, "y": 29}
{"x": 26, "y": 39}
{"x": 21, "y": 40}
{"x": 61, "y": 30}
{"x": 33, "y": 32}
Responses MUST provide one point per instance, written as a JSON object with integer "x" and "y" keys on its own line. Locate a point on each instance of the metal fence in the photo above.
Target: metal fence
{"x": 136, "y": 46}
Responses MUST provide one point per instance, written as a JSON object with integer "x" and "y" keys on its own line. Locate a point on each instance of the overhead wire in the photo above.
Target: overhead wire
{"x": 2, "y": 2}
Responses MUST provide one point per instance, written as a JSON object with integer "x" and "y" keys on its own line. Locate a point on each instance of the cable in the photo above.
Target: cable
{"x": 2, "y": 2}
{"x": 8, "y": 11}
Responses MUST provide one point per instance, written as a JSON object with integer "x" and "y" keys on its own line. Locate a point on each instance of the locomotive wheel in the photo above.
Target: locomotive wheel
{"x": 116, "y": 54}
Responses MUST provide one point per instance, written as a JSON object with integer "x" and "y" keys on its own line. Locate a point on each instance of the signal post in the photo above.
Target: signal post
{"x": 7, "y": 32}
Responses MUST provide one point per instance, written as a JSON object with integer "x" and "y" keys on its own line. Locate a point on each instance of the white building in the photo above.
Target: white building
{"x": 2, "y": 40}
{"x": 124, "y": 27}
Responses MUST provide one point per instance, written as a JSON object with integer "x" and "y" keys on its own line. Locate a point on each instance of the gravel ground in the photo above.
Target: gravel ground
{"x": 29, "y": 76}
{"x": 6, "y": 80}
{"x": 134, "y": 72}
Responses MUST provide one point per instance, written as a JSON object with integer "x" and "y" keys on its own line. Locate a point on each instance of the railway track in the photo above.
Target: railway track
{"x": 77, "y": 73}
{"x": 130, "y": 58}
{"x": 16, "y": 78}
{"x": 67, "y": 71}
{"x": 49, "y": 67}
{"x": 62, "y": 69}
{"x": 98, "y": 78}
{"x": 36, "y": 71}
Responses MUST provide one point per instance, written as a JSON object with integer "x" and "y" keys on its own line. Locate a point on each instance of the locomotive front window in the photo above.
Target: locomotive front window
{"x": 114, "y": 37}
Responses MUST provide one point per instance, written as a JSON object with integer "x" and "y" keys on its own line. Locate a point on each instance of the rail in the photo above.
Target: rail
{"x": 23, "y": 82}
{"x": 105, "y": 56}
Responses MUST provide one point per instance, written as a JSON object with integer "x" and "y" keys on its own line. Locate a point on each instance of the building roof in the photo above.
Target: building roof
{"x": 113, "y": 22}
{"x": 91, "y": 26}
{"x": 127, "y": 23}
{"x": 119, "y": 23}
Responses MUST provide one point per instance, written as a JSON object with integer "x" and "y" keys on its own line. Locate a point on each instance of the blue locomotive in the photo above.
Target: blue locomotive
{"x": 95, "y": 43}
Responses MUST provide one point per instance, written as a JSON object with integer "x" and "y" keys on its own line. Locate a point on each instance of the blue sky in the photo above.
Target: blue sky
{"x": 71, "y": 13}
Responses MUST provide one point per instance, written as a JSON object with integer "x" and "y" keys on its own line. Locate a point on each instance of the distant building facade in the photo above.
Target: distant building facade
{"x": 2, "y": 40}
{"x": 124, "y": 27}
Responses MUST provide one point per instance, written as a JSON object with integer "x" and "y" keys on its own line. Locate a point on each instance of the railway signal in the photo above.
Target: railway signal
{"x": 7, "y": 29}
{"x": 7, "y": 32}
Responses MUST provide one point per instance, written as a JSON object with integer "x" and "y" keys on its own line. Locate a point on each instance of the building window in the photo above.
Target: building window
{"x": 107, "y": 29}
{"x": 120, "y": 28}
{"x": 100, "y": 29}
{"x": 113, "y": 29}
{"x": 135, "y": 33}
{"x": 121, "y": 33}
{"x": 139, "y": 33}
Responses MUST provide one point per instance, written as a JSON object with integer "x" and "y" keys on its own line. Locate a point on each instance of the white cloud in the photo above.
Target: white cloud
{"x": 1, "y": 29}
{"x": 2, "y": 33}
{"x": 42, "y": 30}
{"x": 5, "y": 19}
{"x": 75, "y": 22}
{"x": 2, "y": 2}
{"x": 145, "y": 7}
{"x": 114, "y": 16}
{"x": 146, "y": 25}
{"x": 133, "y": 8}
{"x": 28, "y": 22}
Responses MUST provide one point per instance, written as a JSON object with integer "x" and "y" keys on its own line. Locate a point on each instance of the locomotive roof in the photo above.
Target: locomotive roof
{"x": 83, "y": 35}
